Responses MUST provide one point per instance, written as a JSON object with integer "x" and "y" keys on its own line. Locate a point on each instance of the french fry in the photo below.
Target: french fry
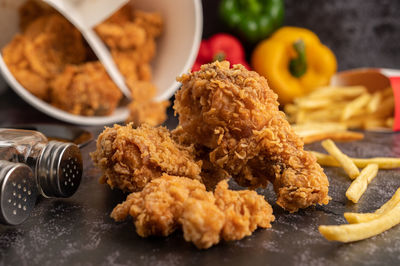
{"x": 353, "y": 217}
{"x": 336, "y": 136}
{"x": 355, "y": 106}
{"x": 338, "y": 92}
{"x": 359, "y": 185}
{"x": 312, "y": 132}
{"x": 349, "y": 167}
{"x": 318, "y": 127}
{"x": 376, "y": 123}
{"x": 310, "y": 103}
{"x": 359, "y": 231}
{"x": 323, "y": 115}
{"x": 382, "y": 162}
{"x": 374, "y": 102}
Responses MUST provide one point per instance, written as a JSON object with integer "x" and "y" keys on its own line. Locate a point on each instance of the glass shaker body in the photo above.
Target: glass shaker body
{"x": 24, "y": 146}
{"x": 57, "y": 166}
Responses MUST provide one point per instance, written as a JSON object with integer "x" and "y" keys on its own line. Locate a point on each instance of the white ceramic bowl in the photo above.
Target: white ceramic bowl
{"x": 176, "y": 51}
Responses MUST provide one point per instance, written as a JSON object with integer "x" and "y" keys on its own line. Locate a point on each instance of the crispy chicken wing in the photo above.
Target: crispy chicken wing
{"x": 170, "y": 202}
{"x": 233, "y": 115}
{"x": 130, "y": 158}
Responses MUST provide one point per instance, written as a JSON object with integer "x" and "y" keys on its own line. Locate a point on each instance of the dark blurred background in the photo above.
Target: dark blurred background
{"x": 361, "y": 33}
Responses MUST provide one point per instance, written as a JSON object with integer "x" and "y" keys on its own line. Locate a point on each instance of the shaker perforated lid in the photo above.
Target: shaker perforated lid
{"x": 59, "y": 169}
{"x": 18, "y": 192}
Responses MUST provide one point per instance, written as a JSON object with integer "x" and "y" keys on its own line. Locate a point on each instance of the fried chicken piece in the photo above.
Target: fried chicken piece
{"x": 210, "y": 175}
{"x": 168, "y": 202}
{"x": 130, "y": 158}
{"x": 85, "y": 90}
{"x": 234, "y": 116}
{"x": 151, "y": 22}
{"x": 126, "y": 65}
{"x": 142, "y": 55}
{"x": 202, "y": 221}
{"x": 143, "y": 109}
{"x": 147, "y": 112}
{"x": 125, "y": 36}
{"x": 141, "y": 90}
{"x": 240, "y": 213}
{"x": 45, "y": 52}
{"x": 38, "y": 55}
{"x": 244, "y": 211}
{"x": 14, "y": 57}
{"x": 33, "y": 82}
{"x": 157, "y": 208}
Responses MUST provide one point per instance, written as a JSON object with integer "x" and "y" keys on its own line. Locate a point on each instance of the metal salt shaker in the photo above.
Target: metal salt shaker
{"x": 57, "y": 166}
{"x": 18, "y": 192}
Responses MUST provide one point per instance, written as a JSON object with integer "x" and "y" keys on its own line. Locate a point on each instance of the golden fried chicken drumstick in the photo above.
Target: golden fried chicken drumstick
{"x": 233, "y": 115}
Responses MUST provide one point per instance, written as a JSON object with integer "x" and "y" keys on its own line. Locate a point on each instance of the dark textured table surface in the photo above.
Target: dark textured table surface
{"x": 78, "y": 230}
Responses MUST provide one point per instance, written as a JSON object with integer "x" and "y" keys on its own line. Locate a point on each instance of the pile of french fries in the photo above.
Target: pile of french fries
{"x": 354, "y": 107}
{"x": 361, "y": 225}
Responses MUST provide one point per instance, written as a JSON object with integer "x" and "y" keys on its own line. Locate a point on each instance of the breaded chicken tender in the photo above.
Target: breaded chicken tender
{"x": 233, "y": 116}
{"x": 130, "y": 158}
{"x": 170, "y": 202}
{"x": 85, "y": 90}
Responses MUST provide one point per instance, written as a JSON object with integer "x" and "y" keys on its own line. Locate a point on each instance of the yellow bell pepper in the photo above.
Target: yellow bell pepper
{"x": 294, "y": 61}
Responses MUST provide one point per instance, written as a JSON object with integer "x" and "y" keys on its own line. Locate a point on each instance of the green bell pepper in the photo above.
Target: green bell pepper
{"x": 253, "y": 19}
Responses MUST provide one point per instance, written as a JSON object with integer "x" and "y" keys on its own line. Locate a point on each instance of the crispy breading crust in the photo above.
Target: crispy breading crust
{"x": 143, "y": 109}
{"x": 234, "y": 115}
{"x": 85, "y": 90}
{"x": 170, "y": 202}
{"x": 130, "y": 158}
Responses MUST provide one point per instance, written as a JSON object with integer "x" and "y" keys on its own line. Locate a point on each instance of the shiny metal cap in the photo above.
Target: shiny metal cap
{"x": 18, "y": 192}
{"x": 59, "y": 169}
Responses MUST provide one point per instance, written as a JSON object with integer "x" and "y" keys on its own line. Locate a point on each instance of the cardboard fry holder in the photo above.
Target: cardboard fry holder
{"x": 373, "y": 79}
